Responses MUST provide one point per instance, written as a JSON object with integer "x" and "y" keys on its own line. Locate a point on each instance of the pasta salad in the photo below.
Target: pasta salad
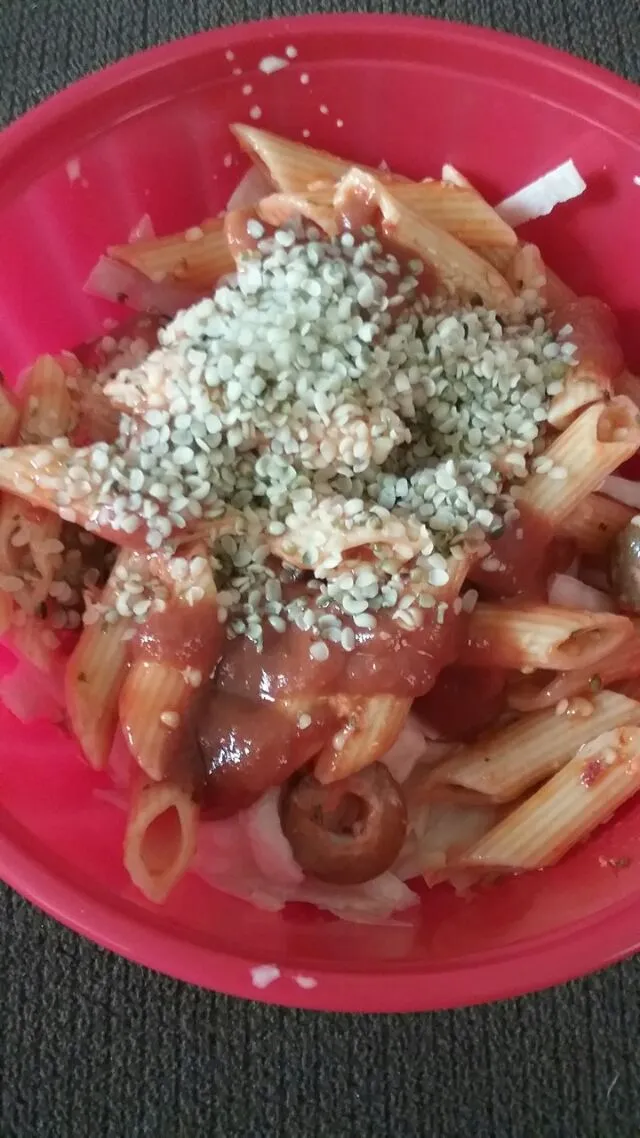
{"x": 327, "y": 543}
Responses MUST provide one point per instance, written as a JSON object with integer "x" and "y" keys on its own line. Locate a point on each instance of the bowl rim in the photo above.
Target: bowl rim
{"x": 582, "y": 947}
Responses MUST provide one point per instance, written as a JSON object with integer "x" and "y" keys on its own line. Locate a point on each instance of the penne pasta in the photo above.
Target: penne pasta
{"x": 371, "y": 728}
{"x": 31, "y": 638}
{"x": 557, "y": 291}
{"x": 9, "y": 416}
{"x": 40, "y": 475}
{"x": 292, "y": 166}
{"x": 47, "y": 403}
{"x": 152, "y": 703}
{"x": 157, "y": 692}
{"x": 545, "y": 690}
{"x": 161, "y": 837}
{"x": 30, "y": 549}
{"x": 599, "y": 778}
{"x": 591, "y": 447}
{"x": 299, "y": 546}
{"x": 294, "y": 482}
{"x": 459, "y": 269}
{"x": 597, "y": 360}
{"x": 460, "y": 212}
{"x": 300, "y": 170}
{"x": 501, "y": 255}
{"x": 95, "y": 674}
{"x": 541, "y": 636}
{"x": 505, "y": 763}
{"x": 579, "y": 391}
{"x": 594, "y": 522}
{"x": 315, "y": 206}
{"x": 197, "y": 257}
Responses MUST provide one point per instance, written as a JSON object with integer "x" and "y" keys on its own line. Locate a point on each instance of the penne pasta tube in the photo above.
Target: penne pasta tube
{"x": 160, "y": 688}
{"x": 9, "y": 416}
{"x": 95, "y": 674}
{"x": 599, "y": 778}
{"x": 500, "y": 254}
{"x": 152, "y": 703}
{"x": 579, "y": 391}
{"x": 30, "y": 548}
{"x": 461, "y": 212}
{"x": 591, "y": 447}
{"x": 197, "y": 257}
{"x": 314, "y": 206}
{"x": 557, "y": 291}
{"x": 595, "y": 521}
{"x": 292, "y": 166}
{"x": 590, "y": 326}
{"x": 41, "y": 475}
{"x": 299, "y": 546}
{"x": 525, "y": 272}
{"x": 47, "y": 405}
{"x": 161, "y": 837}
{"x": 541, "y": 636}
{"x": 372, "y": 727}
{"x": 507, "y": 762}
{"x": 31, "y": 638}
{"x": 544, "y": 690}
{"x": 461, "y": 271}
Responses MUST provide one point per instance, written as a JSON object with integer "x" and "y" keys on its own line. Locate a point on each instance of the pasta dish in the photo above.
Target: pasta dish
{"x": 327, "y": 543}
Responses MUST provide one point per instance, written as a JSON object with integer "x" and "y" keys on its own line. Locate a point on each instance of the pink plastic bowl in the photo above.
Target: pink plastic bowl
{"x": 150, "y": 135}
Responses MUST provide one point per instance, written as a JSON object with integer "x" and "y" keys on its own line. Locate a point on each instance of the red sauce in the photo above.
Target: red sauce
{"x": 283, "y": 667}
{"x": 592, "y": 771}
{"x": 463, "y": 701}
{"x": 594, "y": 331}
{"x": 182, "y": 635}
{"x": 104, "y": 352}
{"x": 404, "y": 662}
{"x": 248, "y": 739}
{"x": 390, "y": 659}
{"x": 248, "y": 746}
{"x": 359, "y": 210}
{"x": 519, "y": 559}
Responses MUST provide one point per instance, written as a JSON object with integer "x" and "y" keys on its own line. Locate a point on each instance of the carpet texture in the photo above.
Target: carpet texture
{"x": 93, "y": 1047}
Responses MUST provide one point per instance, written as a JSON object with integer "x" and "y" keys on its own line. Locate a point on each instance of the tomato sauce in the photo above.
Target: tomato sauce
{"x": 463, "y": 701}
{"x": 182, "y": 635}
{"x": 265, "y": 713}
{"x": 594, "y": 331}
{"x": 360, "y": 209}
{"x": 389, "y": 659}
{"x": 250, "y": 745}
{"x": 108, "y": 351}
{"x": 520, "y": 559}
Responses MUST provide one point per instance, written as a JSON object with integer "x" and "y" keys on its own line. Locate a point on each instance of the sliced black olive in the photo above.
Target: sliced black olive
{"x": 625, "y": 566}
{"x": 345, "y": 832}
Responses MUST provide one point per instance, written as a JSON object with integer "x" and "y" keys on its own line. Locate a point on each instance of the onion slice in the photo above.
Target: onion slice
{"x": 571, "y": 593}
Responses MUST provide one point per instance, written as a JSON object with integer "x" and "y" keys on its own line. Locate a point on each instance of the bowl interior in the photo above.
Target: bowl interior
{"x": 151, "y": 137}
